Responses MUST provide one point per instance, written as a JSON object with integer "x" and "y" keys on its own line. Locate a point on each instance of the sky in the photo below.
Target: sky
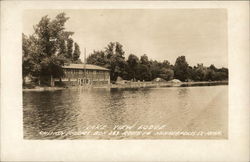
{"x": 161, "y": 34}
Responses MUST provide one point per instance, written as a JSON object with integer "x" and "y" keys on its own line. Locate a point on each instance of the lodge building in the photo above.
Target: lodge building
{"x": 84, "y": 74}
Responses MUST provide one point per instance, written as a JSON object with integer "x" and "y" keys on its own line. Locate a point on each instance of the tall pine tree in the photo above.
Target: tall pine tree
{"x": 76, "y": 53}
{"x": 69, "y": 49}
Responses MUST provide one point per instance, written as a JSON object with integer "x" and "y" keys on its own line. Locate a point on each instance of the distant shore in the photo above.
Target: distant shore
{"x": 132, "y": 85}
{"x": 166, "y": 84}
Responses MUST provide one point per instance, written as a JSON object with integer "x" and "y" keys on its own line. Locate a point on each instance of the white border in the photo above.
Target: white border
{"x": 14, "y": 148}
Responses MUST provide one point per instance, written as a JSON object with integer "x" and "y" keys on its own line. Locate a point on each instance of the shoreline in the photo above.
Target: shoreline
{"x": 133, "y": 85}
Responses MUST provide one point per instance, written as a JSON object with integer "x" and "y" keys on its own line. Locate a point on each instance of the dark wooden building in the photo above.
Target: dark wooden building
{"x": 84, "y": 74}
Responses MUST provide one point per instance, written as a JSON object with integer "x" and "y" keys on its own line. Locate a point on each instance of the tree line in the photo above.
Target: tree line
{"x": 51, "y": 46}
{"x": 48, "y": 48}
{"x": 141, "y": 68}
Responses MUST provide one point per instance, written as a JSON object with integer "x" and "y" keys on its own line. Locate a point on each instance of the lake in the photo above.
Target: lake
{"x": 199, "y": 112}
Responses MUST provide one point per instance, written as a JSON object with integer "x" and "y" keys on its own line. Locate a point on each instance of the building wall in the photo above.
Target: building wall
{"x": 76, "y": 77}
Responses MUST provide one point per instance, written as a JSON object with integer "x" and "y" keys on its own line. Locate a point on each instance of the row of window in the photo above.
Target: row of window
{"x": 80, "y": 71}
{"x": 75, "y": 79}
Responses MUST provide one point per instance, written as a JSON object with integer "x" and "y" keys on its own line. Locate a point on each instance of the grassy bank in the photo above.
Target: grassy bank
{"x": 163, "y": 84}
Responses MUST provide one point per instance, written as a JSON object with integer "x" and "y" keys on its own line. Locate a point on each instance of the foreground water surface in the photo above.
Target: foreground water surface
{"x": 200, "y": 112}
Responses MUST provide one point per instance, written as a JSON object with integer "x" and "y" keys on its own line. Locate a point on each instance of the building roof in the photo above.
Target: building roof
{"x": 81, "y": 66}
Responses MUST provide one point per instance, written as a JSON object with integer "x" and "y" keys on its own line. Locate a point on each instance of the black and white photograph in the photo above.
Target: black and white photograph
{"x": 125, "y": 74}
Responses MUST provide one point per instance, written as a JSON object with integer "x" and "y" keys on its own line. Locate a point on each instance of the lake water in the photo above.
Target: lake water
{"x": 155, "y": 113}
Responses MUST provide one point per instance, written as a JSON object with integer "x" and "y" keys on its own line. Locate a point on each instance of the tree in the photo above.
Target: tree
{"x": 98, "y": 58}
{"x": 62, "y": 50}
{"x": 133, "y": 62}
{"x": 144, "y": 60}
{"x": 112, "y": 58}
{"x": 30, "y": 66}
{"x": 166, "y": 64}
{"x": 133, "y": 68}
{"x": 181, "y": 68}
{"x": 210, "y": 75}
{"x": 200, "y": 72}
{"x": 26, "y": 56}
{"x": 76, "y": 53}
{"x": 44, "y": 51}
{"x": 155, "y": 69}
{"x": 212, "y": 67}
{"x": 222, "y": 74}
{"x": 48, "y": 34}
{"x": 69, "y": 49}
{"x": 116, "y": 60}
{"x": 167, "y": 74}
{"x": 143, "y": 73}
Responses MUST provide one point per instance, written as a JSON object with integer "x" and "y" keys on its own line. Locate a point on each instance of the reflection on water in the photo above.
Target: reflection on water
{"x": 180, "y": 108}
